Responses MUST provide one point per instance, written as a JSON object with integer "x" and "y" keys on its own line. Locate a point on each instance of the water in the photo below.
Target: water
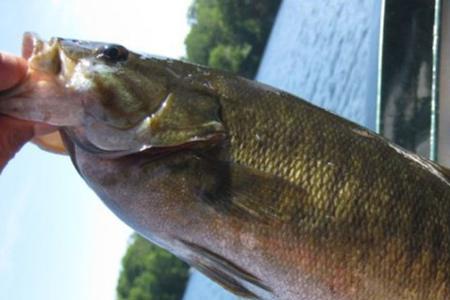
{"x": 201, "y": 288}
{"x": 326, "y": 52}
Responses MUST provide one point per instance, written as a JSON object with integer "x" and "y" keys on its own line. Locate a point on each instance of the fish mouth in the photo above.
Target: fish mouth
{"x": 28, "y": 44}
{"x": 40, "y": 97}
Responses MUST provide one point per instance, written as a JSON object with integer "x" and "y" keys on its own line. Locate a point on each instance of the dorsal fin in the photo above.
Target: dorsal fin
{"x": 444, "y": 170}
{"x": 223, "y": 271}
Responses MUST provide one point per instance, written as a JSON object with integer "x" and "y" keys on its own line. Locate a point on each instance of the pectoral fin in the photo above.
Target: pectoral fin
{"x": 247, "y": 193}
{"x": 224, "y": 272}
{"x": 444, "y": 171}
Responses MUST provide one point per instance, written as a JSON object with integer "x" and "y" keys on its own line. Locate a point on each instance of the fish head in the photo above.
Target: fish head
{"x": 109, "y": 99}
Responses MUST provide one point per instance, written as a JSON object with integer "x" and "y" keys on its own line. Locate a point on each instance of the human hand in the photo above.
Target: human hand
{"x": 14, "y": 133}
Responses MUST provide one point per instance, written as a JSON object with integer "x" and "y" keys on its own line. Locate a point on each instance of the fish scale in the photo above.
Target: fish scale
{"x": 352, "y": 190}
{"x": 269, "y": 196}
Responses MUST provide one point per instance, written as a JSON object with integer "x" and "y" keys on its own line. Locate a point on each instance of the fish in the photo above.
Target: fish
{"x": 266, "y": 194}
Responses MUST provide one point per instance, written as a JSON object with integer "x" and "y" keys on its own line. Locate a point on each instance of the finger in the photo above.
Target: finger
{"x": 13, "y": 135}
{"x": 12, "y": 70}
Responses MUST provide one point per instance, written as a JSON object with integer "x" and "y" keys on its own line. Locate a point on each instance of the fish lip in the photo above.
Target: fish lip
{"x": 29, "y": 45}
{"x": 29, "y": 42}
{"x": 33, "y": 44}
{"x": 37, "y": 97}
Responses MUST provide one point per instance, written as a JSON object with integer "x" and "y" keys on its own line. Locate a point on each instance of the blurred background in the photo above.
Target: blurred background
{"x": 383, "y": 64}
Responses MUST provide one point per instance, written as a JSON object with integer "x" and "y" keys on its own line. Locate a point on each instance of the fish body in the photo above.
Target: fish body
{"x": 266, "y": 194}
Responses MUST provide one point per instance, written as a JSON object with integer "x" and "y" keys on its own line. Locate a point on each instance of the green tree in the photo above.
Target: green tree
{"x": 230, "y": 34}
{"x": 150, "y": 273}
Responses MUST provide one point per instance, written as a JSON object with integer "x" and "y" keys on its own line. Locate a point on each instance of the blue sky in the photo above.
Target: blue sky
{"x": 57, "y": 239}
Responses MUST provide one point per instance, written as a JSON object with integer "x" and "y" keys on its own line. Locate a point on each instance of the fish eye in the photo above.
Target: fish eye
{"x": 112, "y": 53}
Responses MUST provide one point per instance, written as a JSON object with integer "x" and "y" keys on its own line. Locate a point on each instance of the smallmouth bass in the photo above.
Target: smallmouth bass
{"x": 266, "y": 194}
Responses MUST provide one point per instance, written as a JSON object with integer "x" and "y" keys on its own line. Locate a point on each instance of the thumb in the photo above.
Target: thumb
{"x": 12, "y": 70}
{"x": 13, "y": 133}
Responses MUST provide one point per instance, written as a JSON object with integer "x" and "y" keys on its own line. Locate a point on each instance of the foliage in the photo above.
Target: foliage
{"x": 150, "y": 273}
{"x": 230, "y": 34}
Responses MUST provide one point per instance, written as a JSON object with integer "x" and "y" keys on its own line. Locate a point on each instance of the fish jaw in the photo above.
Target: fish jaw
{"x": 41, "y": 99}
{"x": 42, "y": 96}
